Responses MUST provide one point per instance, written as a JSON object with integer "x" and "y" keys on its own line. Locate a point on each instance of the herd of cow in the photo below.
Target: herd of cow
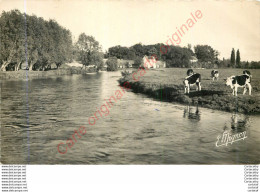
{"x": 234, "y": 81}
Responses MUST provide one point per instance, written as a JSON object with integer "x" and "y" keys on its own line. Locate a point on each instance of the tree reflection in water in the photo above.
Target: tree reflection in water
{"x": 191, "y": 112}
{"x": 239, "y": 122}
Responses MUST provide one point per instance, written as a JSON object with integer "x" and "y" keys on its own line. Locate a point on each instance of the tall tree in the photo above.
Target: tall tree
{"x": 205, "y": 53}
{"x": 96, "y": 58}
{"x": 152, "y": 51}
{"x": 36, "y": 40}
{"x": 232, "y": 59}
{"x": 118, "y": 51}
{"x": 131, "y": 54}
{"x": 238, "y": 64}
{"x": 12, "y": 37}
{"x": 86, "y": 46}
{"x": 178, "y": 57}
{"x": 139, "y": 50}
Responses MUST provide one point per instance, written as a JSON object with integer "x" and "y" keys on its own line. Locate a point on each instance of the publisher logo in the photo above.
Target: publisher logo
{"x": 229, "y": 138}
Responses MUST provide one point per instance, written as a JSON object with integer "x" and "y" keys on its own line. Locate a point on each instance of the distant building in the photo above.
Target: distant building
{"x": 135, "y": 65}
{"x": 151, "y": 62}
{"x": 91, "y": 66}
{"x": 193, "y": 59}
{"x": 122, "y": 63}
{"x": 104, "y": 61}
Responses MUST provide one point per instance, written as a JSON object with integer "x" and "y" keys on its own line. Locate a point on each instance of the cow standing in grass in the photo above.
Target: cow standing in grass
{"x": 214, "y": 75}
{"x": 191, "y": 80}
{"x": 240, "y": 81}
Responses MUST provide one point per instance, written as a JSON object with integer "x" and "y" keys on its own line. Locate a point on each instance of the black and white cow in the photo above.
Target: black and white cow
{"x": 239, "y": 81}
{"x": 190, "y": 72}
{"x": 214, "y": 75}
{"x": 190, "y": 80}
{"x": 246, "y": 72}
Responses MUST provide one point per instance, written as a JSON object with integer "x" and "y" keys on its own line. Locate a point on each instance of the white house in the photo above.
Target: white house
{"x": 193, "y": 59}
{"x": 151, "y": 62}
{"x": 123, "y": 63}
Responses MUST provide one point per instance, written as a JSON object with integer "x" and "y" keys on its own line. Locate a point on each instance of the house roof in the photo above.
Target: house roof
{"x": 124, "y": 62}
{"x": 193, "y": 58}
{"x": 160, "y": 62}
{"x": 149, "y": 57}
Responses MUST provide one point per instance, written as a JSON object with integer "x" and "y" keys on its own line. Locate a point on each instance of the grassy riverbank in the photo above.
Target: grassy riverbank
{"x": 25, "y": 74}
{"x": 167, "y": 84}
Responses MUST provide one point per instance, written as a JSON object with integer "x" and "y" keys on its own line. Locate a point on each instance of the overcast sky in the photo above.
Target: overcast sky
{"x": 224, "y": 25}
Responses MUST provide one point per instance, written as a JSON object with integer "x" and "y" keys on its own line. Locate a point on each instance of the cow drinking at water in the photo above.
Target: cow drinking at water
{"x": 191, "y": 80}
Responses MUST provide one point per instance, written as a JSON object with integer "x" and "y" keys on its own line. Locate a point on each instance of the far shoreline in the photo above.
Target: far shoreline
{"x": 26, "y": 74}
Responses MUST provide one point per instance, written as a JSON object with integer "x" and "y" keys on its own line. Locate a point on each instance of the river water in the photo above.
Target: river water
{"x": 38, "y": 114}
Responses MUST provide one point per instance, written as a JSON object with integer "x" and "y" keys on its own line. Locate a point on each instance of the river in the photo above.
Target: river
{"x": 38, "y": 114}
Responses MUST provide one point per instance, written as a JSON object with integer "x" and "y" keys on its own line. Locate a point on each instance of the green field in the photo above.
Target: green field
{"x": 167, "y": 84}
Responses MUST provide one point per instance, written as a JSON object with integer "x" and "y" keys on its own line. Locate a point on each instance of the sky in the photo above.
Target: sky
{"x": 224, "y": 24}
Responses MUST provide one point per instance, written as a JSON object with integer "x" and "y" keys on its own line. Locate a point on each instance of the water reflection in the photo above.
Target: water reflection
{"x": 239, "y": 121}
{"x": 191, "y": 112}
{"x": 133, "y": 133}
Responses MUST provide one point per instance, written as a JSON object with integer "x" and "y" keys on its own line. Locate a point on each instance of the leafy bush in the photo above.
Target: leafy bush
{"x": 138, "y": 61}
{"x": 112, "y": 64}
{"x": 96, "y": 58}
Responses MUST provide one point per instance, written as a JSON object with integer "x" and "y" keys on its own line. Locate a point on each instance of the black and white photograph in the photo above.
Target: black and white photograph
{"x": 127, "y": 95}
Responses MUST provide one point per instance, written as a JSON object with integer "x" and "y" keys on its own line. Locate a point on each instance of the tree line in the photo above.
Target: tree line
{"x": 39, "y": 43}
{"x": 174, "y": 56}
{"x": 87, "y": 51}
{"x": 31, "y": 39}
{"x": 177, "y": 56}
{"x": 235, "y": 62}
